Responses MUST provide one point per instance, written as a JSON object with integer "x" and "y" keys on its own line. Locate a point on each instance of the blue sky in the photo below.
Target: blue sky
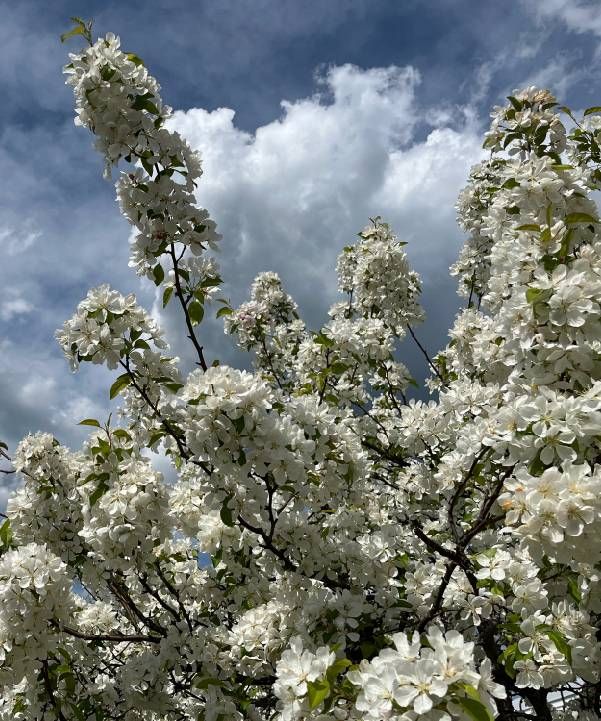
{"x": 311, "y": 115}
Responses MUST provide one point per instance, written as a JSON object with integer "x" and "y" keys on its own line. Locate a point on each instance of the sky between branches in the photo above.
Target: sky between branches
{"x": 311, "y": 116}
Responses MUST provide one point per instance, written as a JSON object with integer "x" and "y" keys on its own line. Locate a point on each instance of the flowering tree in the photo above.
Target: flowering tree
{"x": 330, "y": 550}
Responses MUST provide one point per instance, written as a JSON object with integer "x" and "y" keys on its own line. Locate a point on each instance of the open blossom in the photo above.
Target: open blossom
{"x": 34, "y": 598}
{"x": 102, "y": 327}
{"x": 298, "y": 665}
{"x": 413, "y": 676}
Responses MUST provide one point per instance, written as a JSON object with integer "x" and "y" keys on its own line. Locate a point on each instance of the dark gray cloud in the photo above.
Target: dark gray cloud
{"x": 288, "y": 185}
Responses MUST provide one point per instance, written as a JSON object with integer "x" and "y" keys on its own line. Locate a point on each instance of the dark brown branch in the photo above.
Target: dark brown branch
{"x": 460, "y": 488}
{"x": 267, "y": 543}
{"x": 121, "y": 593}
{"x": 180, "y": 295}
{"x": 271, "y": 368}
{"x": 110, "y": 637}
{"x": 50, "y": 691}
{"x": 185, "y": 454}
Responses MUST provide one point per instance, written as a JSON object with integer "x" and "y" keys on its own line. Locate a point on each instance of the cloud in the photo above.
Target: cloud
{"x": 580, "y": 17}
{"x": 13, "y": 307}
{"x": 559, "y": 75}
{"x": 38, "y": 395}
{"x": 18, "y": 240}
{"x": 289, "y": 196}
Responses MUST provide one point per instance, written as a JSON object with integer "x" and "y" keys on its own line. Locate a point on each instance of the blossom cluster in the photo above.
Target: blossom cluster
{"x": 324, "y": 546}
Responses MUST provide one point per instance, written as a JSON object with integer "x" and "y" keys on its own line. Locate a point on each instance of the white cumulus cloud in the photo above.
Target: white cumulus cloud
{"x": 289, "y": 196}
{"x": 580, "y": 17}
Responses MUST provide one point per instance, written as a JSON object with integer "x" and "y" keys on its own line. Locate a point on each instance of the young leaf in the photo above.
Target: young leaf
{"x": 574, "y": 590}
{"x": 133, "y": 58}
{"x": 338, "y": 368}
{"x": 5, "y": 533}
{"x": 238, "y": 424}
{"x": 122, "y": 382}
{"x": 89, "y": 422}
{"x": 100, "y": 490}
{"x": 167, "y": 293}
{"x": 80, "y": 28}
{"x": 580, "y": 218}
{"x": 158, "y": 274}
{"x": 323, "y": 340}
{"x": 226, "y": 512}
{"x": 517, "y": 104}
{"x": 533, "y": 294}
{"x": 196, "y": 312}
{"x": 475, "y": 709}
{"x": 560, "y": 643}
{"x": 529, "y": 226}
{"x": 142, "y": 102}
{"x": 317, "y": 692}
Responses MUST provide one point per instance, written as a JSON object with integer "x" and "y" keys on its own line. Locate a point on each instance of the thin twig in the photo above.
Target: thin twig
{"x": 426, "y": 356}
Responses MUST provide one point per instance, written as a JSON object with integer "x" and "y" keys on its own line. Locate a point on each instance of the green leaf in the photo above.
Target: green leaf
{"x": 106, "y": 73}
{"x": 143, "y": 102}
{"x": 560, "y": 643}
{"x": 133, "y": 58}
{"x": 580, "y": 218}
{"x": 594, "y": 109}
{"x": 511, "y": 183}
{"x": 474, "y": 708}
{"x": 80, "y": 715}
{"x": 148, "y": 167}
{"x": 226, "y": 512}
{"x": 158, "y": 274}
{"x": 167, "y": 293}
{"x": 211, "y": 282}
{"x": 323, "y": 340}
{"x": 238, "y": 424}
{"x": 80, "y": 28}
{"x": 517, "y": 104}
{"x": 204, "y": 682}
{"x": 6, "y": 533}
{"x": 317, "y": 692}
{"x": 574, "y": 590}
{"x": 533, "y": 294}
{"x": 89, "y": 422}
{"x": 536, "y": 467}
{"x": 529, "y": 226}
{"x": 196, "y": 312}
{"x": 155, "y": 438}
{"x": 337, "y": 668}
{"x": 338, "y": 368}
{"x": 224, "y": 311}
{"x": 122, "y": 382}
{"x": 100, "y": 490}
{"x": 562, "y": 166}
{"x": 77, "y": 30}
